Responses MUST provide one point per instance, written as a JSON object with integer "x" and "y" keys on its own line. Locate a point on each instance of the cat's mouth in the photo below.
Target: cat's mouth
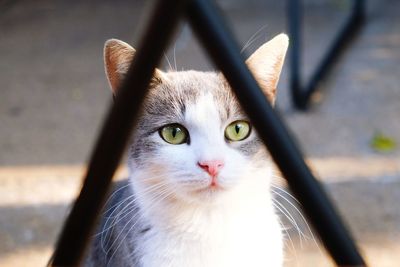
{"x": 205, "y": 187}
{"x": 211, "y": 188}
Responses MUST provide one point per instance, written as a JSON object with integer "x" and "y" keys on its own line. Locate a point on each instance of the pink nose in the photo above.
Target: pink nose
{"x": 211, "y": 166}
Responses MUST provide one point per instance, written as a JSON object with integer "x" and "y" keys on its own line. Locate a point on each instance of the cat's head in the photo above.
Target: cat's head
{"x": 193, "y": 142}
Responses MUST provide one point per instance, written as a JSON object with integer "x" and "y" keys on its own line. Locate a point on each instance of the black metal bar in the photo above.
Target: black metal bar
{"x": 301, "y": 95}
{"x": 115, "y": 134}
{"x": 219, "y": 43}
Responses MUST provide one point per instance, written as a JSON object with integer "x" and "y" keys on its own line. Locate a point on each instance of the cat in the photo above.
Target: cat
{"x": 198, "y": 193}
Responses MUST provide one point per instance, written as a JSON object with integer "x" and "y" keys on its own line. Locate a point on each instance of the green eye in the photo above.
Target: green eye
{"x": 237, "y": 131}
{"x": 174, "y": 134}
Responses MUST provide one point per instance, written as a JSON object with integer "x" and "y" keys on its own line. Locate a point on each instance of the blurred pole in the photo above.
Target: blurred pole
{"x": 302, "y": 92}
{"x": 295, "y": 15}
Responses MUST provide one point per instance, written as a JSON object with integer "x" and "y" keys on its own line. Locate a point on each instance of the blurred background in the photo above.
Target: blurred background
{"x": 54, "y": 95}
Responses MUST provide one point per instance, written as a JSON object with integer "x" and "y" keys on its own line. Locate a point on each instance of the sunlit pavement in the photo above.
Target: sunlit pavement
{"x": 54, "y": 95}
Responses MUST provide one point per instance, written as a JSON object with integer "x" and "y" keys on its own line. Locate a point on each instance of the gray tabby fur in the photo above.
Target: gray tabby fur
{"x": 128, "y": 223}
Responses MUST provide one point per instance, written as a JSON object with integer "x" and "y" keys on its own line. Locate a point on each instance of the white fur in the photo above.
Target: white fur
{"x": 193, "y": 225}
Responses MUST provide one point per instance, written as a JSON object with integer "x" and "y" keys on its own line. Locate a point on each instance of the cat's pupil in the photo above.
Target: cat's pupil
{"x": 237, "y": 128}
{"x": 174, "y": 132}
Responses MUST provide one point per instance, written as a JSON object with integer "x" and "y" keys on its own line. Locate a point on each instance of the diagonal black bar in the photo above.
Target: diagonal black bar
{"x": 117, "y": 129}
{"x": 219, "y": 43}
{"x": 301, "y": 94}
{"x": 115, "y": 134}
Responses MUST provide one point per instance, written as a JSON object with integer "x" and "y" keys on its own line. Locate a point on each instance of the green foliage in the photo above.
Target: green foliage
{"x": 383, "y": 143}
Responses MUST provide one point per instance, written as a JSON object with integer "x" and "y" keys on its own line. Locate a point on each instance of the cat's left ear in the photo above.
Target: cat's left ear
{"x": 266, "y": 64}
{"x": 118, "y": 56}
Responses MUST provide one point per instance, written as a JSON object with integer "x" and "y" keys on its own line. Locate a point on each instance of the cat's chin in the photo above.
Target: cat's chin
{"x": 207, "y": 194}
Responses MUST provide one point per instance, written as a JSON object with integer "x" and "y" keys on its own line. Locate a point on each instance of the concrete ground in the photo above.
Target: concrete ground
{"x": 54, "y": 96}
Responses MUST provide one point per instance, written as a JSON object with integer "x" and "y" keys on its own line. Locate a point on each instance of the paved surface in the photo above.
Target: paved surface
{"x": 54, "y": 95}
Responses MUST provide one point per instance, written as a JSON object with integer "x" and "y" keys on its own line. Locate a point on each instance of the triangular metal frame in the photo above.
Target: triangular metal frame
{"x": 212, "y": 32}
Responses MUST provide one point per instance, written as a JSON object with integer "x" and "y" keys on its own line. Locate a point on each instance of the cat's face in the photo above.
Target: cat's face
{"x": 193, "y": 142}
{"x": 194, "y": 137}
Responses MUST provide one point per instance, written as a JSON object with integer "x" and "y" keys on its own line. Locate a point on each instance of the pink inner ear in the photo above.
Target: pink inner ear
{"x": 111, "y": 70}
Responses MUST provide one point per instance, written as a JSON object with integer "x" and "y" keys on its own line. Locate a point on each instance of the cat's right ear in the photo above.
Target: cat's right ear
{"x": 118, "y": 56}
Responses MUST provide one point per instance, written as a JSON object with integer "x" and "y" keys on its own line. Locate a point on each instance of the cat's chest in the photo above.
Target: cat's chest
{"x": 235, "y": 241}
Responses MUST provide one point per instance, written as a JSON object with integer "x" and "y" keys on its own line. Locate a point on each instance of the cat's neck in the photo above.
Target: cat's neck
{"x": 241, "y": 230}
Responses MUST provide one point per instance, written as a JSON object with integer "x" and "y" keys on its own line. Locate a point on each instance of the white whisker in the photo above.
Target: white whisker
{"x": 290, "y": 240}
{"x": 252, "y": 38}
{"x": 127, "y": 210}
{"x": 175, "y": 58}
{"x": 169, "y": 63}
{"x": 289, "y": 216}
{"x": 286, "y": 192}
{"x": 128, "y": 223}
{"x": 303, "y": 218}
{"x": 163, "y": 195}
{"x": 113, "y": 194}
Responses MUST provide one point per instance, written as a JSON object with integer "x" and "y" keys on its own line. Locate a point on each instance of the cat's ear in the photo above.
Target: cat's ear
{"x": 266, "y": 64}
{"x": 118, "y": 56}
